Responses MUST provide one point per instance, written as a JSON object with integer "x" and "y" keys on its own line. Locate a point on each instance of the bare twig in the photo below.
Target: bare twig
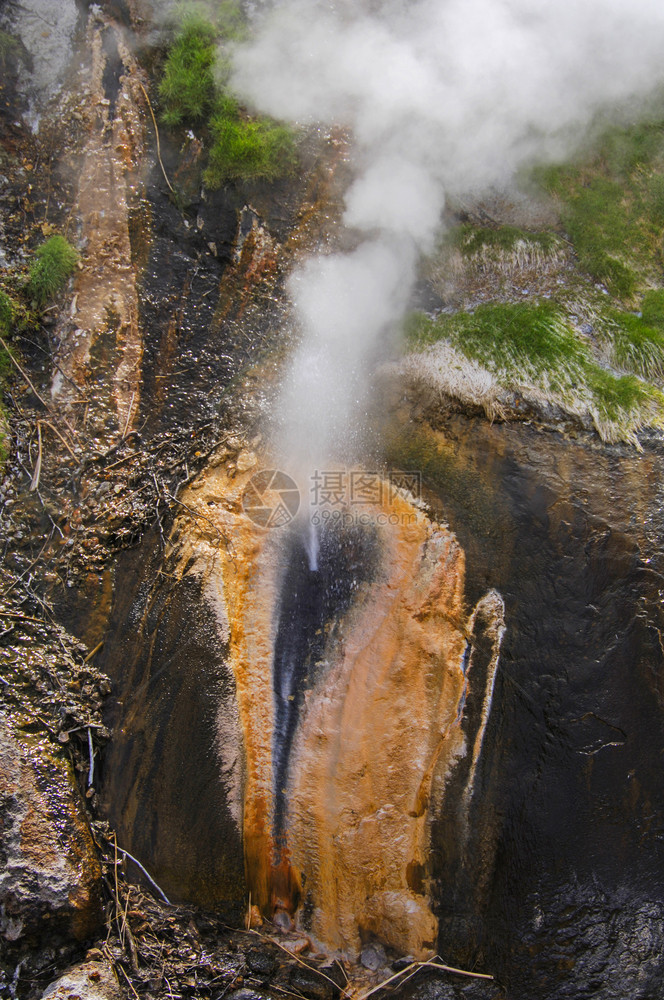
{"x": 416, "y": 966}
{"x": 31, "y": 385}
{"x": 93, "y": 651}
{"x": 129, "y": 983}
{"x": 36, "y": 474}
{"x": 91, "y": 751}
{"x": 25, "y": 376}
{"x": 147, "y": 874}
{"x": 299, "y": 960}
{"x": 156, "y": 132}
{"x": 47, "y": 423}
{"x": 131, "y": 406}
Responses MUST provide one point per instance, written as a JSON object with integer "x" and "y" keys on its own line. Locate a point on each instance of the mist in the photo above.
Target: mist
{"x": 442, "y": 98}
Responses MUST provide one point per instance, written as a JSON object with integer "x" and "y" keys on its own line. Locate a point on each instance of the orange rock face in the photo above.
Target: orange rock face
{"x": 346, "y": 760}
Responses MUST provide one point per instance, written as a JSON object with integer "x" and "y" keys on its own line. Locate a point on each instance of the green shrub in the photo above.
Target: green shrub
{"x": 187, "y": 88}
{"x": 192, "y": 92}
{"x": 54, "y": 263}
{"x": 247, "y": 149}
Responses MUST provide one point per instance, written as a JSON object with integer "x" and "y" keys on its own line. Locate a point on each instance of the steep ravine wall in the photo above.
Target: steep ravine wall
{"x": 352, "y": 684}
{"x": 550, "y": 874}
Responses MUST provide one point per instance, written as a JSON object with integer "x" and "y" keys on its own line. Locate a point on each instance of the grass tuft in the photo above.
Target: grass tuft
{"x": 534, "y": 347}
{"x": 652, "y": 308}
{"x": 187, "y": 88}
{"x": 54, "y": 263}
{"x": 636, "y": 346}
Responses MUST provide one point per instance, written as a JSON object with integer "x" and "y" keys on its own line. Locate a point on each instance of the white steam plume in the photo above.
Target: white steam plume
{"x": 442, "y": 97}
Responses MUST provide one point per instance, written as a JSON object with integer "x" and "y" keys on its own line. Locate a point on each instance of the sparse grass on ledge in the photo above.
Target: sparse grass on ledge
{"x": 472, "y": 239}
{"x": 533, "y": 348}
{"x": 54, "y": 263}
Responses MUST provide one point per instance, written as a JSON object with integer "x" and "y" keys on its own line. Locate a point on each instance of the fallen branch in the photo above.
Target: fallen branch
{"x": 91, "y": 772}
{"x": 156, "y": 132}
{"x": 93, "y": 651}
{"x": 416, "y": 966}
{"x": 312, "y": 968}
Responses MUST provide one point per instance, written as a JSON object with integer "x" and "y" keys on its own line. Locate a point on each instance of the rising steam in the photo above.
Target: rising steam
{"x": 443, "y": 97}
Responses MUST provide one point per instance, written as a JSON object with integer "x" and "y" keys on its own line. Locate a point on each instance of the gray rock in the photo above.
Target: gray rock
{"x": 50, "y": 875}
{"x": 373, "y": 957}
{"x": 89, "y": 981}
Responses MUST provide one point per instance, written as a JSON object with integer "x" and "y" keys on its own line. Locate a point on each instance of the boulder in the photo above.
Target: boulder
{"x": 50, "y": 875}
{"x": 89, "y": 981}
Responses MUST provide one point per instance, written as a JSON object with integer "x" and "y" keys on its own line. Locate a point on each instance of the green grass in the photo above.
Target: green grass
{"x": 54, "y": 262}
{"x": 652, "y": 308}
{"x": 193, "y": 92}
{"x": 612, "y": 204}
{"x": 634, "y": 344}
{"x": 506, "y": 337}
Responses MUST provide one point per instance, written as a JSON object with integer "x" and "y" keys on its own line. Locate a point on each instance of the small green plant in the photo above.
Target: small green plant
{"x": 6, "y": 314}
{"x": 54, "y": 262}
{"x": 11, "y": 51}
